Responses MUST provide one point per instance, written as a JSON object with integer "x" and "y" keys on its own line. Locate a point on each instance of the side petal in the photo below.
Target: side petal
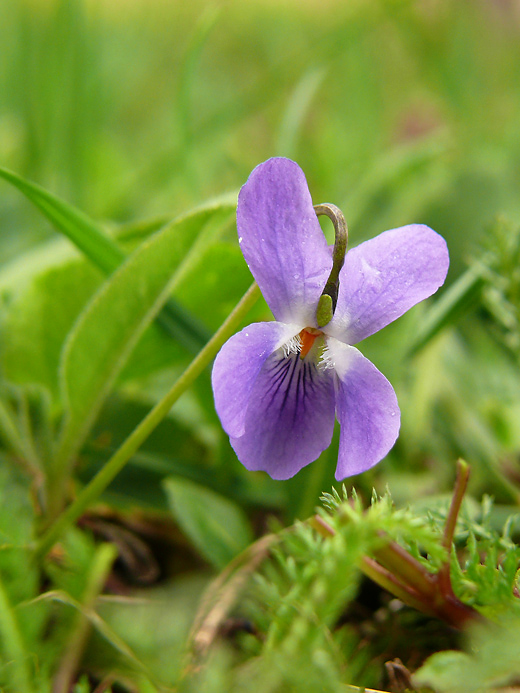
{"x": 237, "y": 366}
{"x": 290, "y": 417}
{"x": 384, "y": 277}
{"x": 367, "y": 410}
{"x": 282, "y": 241}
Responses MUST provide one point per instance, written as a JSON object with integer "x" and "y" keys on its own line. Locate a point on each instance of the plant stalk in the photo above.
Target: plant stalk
{"x": 115, "y": 464}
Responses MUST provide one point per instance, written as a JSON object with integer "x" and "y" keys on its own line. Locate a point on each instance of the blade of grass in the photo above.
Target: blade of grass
{"x": 82, "y": 231}
{"x": 99, "y": 570}
{"x": 13, "y": 645}
{"x": 462, "y": 293}
{"x": 297, "y": 110}
{"x": 105, "y": 253}
{"x": 95, "y": 620}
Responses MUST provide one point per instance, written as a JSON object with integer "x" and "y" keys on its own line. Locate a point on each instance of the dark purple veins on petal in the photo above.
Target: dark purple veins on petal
{"x": 290, "y": 416}
{"x": 289, "y": 385}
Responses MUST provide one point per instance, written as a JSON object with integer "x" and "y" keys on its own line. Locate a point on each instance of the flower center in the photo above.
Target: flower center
{"x": 307, "y": 338}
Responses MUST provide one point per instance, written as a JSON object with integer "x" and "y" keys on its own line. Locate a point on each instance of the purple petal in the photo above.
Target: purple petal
{"x": 367, "y": 410}
{"x": 384, "y": 277}
{"x": 237, "y": 366}
{"x": 282, "y": 241}
{"x": 290, "y": 417}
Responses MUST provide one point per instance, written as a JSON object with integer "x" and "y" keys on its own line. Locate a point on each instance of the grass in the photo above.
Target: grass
{"x": 136, "y": 113}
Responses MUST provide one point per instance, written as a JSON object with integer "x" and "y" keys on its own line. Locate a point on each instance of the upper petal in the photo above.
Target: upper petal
{"x": 282, "y": 241}
{"x": 367, "y": 410}
{"x": 290, "y": 417}
{"x": 384, "y": 277}
{"x": 237, "y": 366}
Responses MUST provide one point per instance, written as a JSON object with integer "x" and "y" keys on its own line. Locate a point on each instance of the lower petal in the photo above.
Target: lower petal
{"x": 290, "y": 417}
{"x": 237, "y": 366}
{"x": 367, "y": 410}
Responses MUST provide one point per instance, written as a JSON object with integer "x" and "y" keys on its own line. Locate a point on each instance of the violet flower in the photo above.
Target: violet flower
{"x": 279, "y": 385}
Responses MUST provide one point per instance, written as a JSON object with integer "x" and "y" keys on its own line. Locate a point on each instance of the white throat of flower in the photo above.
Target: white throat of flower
{"x": 293, "y": 346}
{"x": 326, "y": 361}
{"x": 322, "y": 356}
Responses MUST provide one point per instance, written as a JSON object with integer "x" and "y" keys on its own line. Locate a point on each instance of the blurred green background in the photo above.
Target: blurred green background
{"x": 397, "y": 111}
{"x": 137, "y": 111}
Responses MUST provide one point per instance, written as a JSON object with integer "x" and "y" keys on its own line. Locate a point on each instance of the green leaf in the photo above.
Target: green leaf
{"x": 445, "y": 670}
{"x": 492, "y": 660}
{"x": 82, "y": 231}
{"x": 216, "y": 526}
{"x": 103, "y": 252}
{"x": 110, "y": 327}
{"x": 46, "y": 288}
{"x": 220, "y": 271}
{"x": 153, "y": 631}
{"x": 39, "y": 315}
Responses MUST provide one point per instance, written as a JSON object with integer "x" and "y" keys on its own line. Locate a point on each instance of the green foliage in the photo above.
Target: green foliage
{"x": 487, "y": 577}
{"x": 127, "y": 119}
{"x": 501, "y": 294}
{"x": 98, "y": 247}
{"x": 492, "y": 660}
{"x": 414, "y": 532}
{"x": 300, "y": 595}
{"x": 36, "y": 329}
{"x": 83, "y": 232}
{"x": 215, "y": 525}
{"x": 108, "y": 330}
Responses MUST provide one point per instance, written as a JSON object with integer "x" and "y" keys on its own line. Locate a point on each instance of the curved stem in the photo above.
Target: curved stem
{"x": 329, "y": 296}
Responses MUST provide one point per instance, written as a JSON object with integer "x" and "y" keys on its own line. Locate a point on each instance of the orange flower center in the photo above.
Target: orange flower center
{"x": 307, "y": 338}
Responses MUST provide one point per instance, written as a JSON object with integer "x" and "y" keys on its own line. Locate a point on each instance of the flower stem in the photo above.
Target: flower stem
{"x": 390, "y": 582}
{"x": 396, "y": 570}
{"x": 406, "y": 568}
{"x": 378, "y": 573}
{"x": 115, "y": 464}
{"x": 329, "y": 297}
{"x": 461, "y": 483}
